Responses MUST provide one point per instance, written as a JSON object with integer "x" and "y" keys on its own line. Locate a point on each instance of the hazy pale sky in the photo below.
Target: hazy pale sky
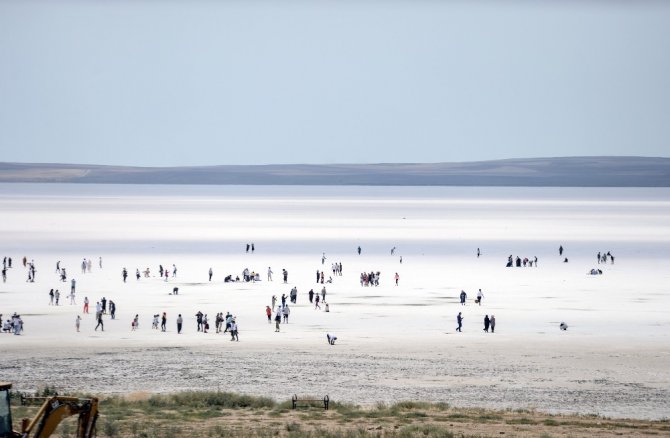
{"x": 161, "y": 83}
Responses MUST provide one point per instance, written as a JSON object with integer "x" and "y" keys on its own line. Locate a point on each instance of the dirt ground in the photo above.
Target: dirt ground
{"x": 351, "y": 376}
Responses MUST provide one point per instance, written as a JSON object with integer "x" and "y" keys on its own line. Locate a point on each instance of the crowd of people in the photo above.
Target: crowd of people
{"x": 370, "y": 278}
{"x": 519, "y": 262}
{"x": 279, "y": 310}
{"x": 13, "y": 325}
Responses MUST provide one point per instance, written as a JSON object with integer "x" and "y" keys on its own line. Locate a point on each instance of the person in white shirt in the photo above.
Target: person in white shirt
{"x": 480, "y": 295}
{"x": 233, "y": 332}
{"x": 286, "y": 312}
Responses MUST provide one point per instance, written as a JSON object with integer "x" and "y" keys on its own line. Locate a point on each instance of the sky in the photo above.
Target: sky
{"x": 181, "y": 83}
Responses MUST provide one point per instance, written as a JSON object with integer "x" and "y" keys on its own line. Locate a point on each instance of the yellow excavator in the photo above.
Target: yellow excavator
{"x": 53, "y": 410}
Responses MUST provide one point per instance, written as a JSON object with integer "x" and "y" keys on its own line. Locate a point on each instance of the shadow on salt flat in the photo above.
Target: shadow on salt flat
{"x": 576, "y": 308}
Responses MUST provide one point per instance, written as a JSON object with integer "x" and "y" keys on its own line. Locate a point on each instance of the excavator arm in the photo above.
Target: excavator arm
{"x": 56, "y": 409}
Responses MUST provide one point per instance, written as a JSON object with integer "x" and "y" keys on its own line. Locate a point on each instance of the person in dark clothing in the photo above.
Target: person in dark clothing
{"x": 359, "y": 250}
{"x": 285, "y": 273}
{"x": 487, "y": 323}
{"x": 459, "y": 320}
{"x": 463, "y": 297}
{"x": 311, "y": 295}
{"x": 100, "y": 324}
{"x": 560, "y": 250}
{"x": 163, "y": 321}
{"x": 493, "y": 323}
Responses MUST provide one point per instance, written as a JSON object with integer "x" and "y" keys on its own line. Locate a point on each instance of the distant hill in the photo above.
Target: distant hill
{"x": 532, "y": 172}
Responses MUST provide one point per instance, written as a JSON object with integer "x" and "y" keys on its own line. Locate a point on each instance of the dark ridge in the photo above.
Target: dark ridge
{"x": 531, "y": 172}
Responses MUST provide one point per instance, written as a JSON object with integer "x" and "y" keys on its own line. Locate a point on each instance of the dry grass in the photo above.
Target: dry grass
{"x": 220, "y": 414}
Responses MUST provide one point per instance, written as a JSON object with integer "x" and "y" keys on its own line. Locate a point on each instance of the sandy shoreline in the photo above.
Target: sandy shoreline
{"x": 581, "y": 379}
